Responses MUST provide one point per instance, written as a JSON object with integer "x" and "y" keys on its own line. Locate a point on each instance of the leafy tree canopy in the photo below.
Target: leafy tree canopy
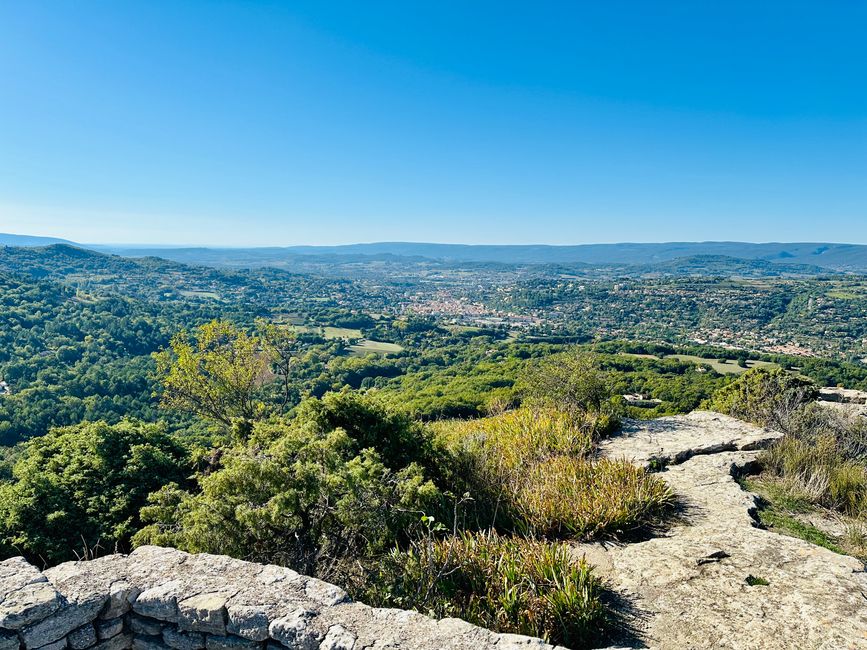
{"x": 80, "y": 488}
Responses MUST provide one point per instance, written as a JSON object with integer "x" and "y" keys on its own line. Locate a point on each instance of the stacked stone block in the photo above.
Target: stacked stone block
{"x": 164, "y": 599}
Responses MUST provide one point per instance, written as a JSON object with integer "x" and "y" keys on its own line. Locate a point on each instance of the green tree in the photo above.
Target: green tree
{"x": 282, "y": 346}
{"x": 80, "y": 488}
{"x": 218, "y": 375}
{"x": 304, "y": 494}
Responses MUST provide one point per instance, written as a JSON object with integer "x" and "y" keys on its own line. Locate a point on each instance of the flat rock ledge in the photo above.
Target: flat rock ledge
{"x": 164, "y": 599}
{"x": 690, "y": 588}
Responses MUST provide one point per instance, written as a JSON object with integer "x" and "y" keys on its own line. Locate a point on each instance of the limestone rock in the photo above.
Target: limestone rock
{"x": 144, "y": 642}
{"x": 119, "y": 642}
{"x": 183, "y": 640}
{"x": 338, "y": 638}
{"x": 72, "y": 615}
{"x": 121, "y": 595}
{"x": 27, "y": 604}
{"x": 688, "y": 589}
{"x": 248, "y": 621}
{"x": 107, "y": 629}
{"x": 159, "y": 602}
{"x": 8, "y": 640}
{"x": 294, "y": 630}
{"x": 677, "y": 438}
{"x": 203, "y": 613}
{"x": 60, "y": 644}
{"x": 146, "y": 626}
{"x": 324, "y": 593}
{"x": 230, "y": 643}
{"x": 83, "y": 637}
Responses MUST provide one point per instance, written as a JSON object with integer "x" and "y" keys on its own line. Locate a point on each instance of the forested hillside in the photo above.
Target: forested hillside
{"x": 364, "y": 431}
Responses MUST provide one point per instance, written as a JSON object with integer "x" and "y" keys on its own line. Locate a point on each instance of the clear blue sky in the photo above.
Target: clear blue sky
{"x": 247, "y": 123}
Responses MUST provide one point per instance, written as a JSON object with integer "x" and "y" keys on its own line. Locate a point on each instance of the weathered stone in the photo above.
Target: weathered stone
{"x": 521, "y": 642}
{"x": 676, "y": 439}
{"x": 144, "y": 642}
{"x": 230, "y": 642}
{"x": 119, "y": 642}
{"x": 203, "y": 613}
{"x": 60, "y": 644}
{"x": 15, "y": 572}
{"x": 183, "y": 640}
{"x": 247, "y": 621}
{"x": 338, "y": 638}
{"x": 66, "y": 619}
{"x": 324, "y": 593}
{"x": 82, "y": 637}
{"x": 146, "y": 626}
{"x": 294, "y": 630}
{"x": 121, "y": 596}
{"x": 107, "y": 629}
{"x": 9, "y": 640}
{"x": 688, "y": 589}
{"x": 159, "y": 602}
{"x": 28, "y": 604}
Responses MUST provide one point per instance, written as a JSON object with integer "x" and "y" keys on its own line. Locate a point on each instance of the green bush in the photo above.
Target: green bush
{"x": 572, "y": 382}
{"x": 78, "y": 490}
{"x": 769, "y": 397}
{"x": 506, "y": 584}
{"x": 303, "y": 494}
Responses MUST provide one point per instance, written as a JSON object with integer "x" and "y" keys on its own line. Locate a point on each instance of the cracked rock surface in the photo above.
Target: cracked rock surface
{"x": 689, "y": 589}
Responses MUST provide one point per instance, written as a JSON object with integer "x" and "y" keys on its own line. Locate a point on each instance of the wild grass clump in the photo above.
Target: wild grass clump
{"x": 819, "y": 473}
{"x": 505, "y": 584}
{"x": 529, "y": 471}
{"x": 567, "y": 496}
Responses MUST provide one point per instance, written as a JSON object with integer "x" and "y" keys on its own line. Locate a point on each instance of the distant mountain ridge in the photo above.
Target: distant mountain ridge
{"x": 818, "y": 255}
{"x": 837, "y": 257}
{"x": 7, "y": 239}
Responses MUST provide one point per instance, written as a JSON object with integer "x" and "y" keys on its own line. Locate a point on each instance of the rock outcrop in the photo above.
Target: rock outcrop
{"x": 692, "y": 587}
{"x": 164, "y": 599}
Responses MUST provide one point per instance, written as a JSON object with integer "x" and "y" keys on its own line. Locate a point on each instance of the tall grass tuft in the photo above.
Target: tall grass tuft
{"x": 514, "y": 585}
{"x": 530, "y": 471}
{"x": 820, "y": 473}
{"x": 566, "y": 496}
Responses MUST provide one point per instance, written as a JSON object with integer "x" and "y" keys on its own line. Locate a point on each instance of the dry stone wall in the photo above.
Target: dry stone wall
{"x": 164, "y": 599}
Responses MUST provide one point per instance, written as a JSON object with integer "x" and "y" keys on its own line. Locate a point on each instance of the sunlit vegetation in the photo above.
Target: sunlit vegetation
{"x": 507, "y": 584}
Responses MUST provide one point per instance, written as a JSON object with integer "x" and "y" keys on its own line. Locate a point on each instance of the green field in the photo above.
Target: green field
{"x": 329, "y": 332}
{"x": 190, "y": 293}
{"x": 843, "y": 294}
{"x": 374, "y": 347}
{"x": 730, "y": 367}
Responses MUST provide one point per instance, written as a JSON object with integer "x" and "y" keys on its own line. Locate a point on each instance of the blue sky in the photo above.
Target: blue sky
{"x": 256, "y": 123}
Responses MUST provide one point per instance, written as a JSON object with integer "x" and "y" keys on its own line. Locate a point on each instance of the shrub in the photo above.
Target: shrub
{"x": 574, "y": 383}
{"x": 302, "y": 494}
{"x": 79, "y": 489}
{"x": 767, "y": 396}
{"x": 505, "y": 584}
{"x": 818, "y": 472}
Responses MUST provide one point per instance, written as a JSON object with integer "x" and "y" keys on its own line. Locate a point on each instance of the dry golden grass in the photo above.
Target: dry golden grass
{"x": 529, "y": 470}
